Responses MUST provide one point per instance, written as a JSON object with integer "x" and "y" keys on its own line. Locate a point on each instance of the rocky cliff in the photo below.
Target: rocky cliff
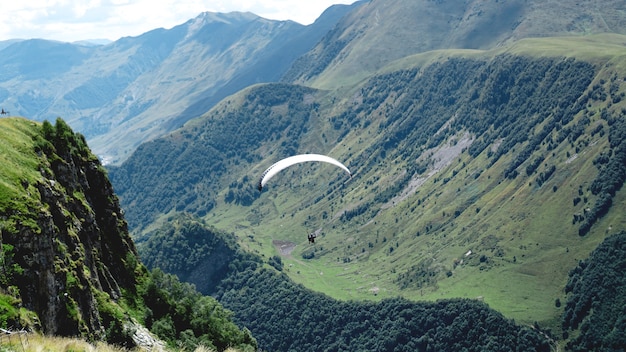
{"x": 67, "y": 255}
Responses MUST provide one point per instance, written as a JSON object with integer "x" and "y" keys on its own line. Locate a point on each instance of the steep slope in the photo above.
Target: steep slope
{"x": 68, "y": 266}
{"x": 476, "y": 174}
{"x": 381, "y": 31}
{"x": 64, "y": 240}
{"x": 121, "y": 94}
{"x": 597, "y": 297}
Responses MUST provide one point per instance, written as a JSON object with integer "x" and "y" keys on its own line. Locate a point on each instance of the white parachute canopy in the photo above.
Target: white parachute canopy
{"x": 296, "y": 159}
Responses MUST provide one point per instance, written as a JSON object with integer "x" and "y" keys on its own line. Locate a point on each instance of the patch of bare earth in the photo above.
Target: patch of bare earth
{"x": 284, "y": 247}
{"x": 440, "y": 157}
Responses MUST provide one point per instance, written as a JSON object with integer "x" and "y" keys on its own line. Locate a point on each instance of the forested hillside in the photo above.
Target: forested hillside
{"x": 475, "y": 175}
{"x": 287, "y": 317}
{"x": 185, "y": 176}
{"x": 195, "y": 252}
{"x": 596, "y": 303}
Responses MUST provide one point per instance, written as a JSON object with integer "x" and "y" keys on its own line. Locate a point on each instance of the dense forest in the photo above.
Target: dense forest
{"x": 284, "y": 316}
{"x": 186, "y": 319}
{"x": 195, "y": 252}
{"x": 596, "y": 303}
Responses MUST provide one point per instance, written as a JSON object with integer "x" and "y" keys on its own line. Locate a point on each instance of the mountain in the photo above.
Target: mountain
{"x": 486, "y": 172}
{"x": 63, "y": 238}
{"x": 68, "y": 264}
{"x": 5, "y": 43}
{"x": 93, "y": 42}
{"x": 137, "y": 88}
{"x": 379, "y": 32}
{"x": 69, "y": 268}
{"x": 482, "y": 174}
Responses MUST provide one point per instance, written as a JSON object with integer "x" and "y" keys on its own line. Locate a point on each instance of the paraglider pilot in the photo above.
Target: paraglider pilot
{"x": 312, "y": 237}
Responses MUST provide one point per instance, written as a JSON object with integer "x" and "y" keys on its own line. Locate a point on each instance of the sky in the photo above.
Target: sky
{"x": 75, "y": 20}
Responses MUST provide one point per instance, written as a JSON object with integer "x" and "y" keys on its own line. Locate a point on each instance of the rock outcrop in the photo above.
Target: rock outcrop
{"x": 70, "y": 256}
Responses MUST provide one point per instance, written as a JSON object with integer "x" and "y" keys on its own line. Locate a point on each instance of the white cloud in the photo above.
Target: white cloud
{"x": 72, "y": 20}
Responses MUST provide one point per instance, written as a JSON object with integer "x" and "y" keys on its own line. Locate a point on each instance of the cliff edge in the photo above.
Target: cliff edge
{"x": 66, "y": 252}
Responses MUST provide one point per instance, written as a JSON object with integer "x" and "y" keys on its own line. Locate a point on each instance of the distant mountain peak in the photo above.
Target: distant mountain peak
{"x": 206, "y": 18}
{"x": 93, "y": 42}
{"x": 228, "y": 17}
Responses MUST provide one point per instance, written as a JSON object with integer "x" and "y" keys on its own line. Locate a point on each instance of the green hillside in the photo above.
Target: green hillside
{"x": 520, "y": 230}
{"x": 19, "y": 162}
{"x": 68, "y": 266}
{"x": 476, "y": 174}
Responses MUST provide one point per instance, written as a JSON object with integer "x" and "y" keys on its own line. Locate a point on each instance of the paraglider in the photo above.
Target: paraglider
{"x": 293, "y": 160}
{"x": 296, "y": 159}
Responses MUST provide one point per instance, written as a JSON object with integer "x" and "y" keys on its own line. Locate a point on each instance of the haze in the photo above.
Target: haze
{"x": 76, "y": 20}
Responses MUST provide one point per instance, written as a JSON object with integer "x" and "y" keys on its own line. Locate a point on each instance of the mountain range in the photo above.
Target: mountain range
{"x": 487, "y": 142}
{"x": 136, "y": 88}
{"x": 483, "y": 165}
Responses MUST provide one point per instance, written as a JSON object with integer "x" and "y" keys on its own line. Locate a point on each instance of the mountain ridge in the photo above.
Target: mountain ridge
{"x": 124, "y": 94}
{"x": 137, "y": 88}
{"x": 379, "y": 32}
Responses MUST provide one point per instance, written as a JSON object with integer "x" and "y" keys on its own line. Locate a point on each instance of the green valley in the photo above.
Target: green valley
{"x": 484, "y": 211}
{"x": 472, "y": 178}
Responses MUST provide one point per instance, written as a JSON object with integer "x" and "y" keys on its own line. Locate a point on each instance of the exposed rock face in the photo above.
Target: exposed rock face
{"x": 78, "y": 249}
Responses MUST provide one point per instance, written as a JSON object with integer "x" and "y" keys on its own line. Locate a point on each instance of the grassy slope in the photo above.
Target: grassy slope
{"x": 19, "y": 163}
{"x": 531, "y": 226}
{"x": 19, "y": 166}
{"x": 35, "y": 343}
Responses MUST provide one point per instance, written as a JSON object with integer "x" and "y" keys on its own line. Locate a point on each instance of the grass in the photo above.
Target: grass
{"x": 591, "y": 48}
{"x": 30, "y": 342}
{"x": 524, "y": 232}
{"x": 17, "y": 158}
{"x": 19, "y": 174}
